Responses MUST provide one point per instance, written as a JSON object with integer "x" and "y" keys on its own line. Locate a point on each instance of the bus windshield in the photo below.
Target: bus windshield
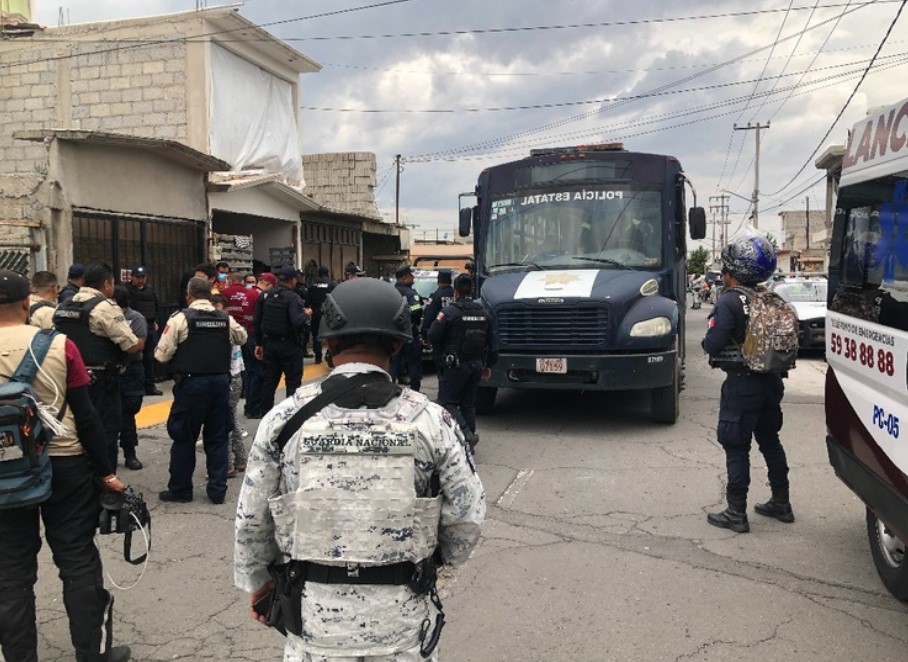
{"x": 575, "y": 228}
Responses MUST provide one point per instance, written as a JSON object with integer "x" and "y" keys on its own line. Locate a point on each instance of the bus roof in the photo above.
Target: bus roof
{"x": 878, "y": 145}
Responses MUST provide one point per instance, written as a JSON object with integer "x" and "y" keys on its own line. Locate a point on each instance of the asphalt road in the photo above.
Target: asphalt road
{"x": 596, "y": 547}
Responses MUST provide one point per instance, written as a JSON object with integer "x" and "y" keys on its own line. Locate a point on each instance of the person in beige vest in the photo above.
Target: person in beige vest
{"x": 70, "y": 515}
{"x": 43, "y": 300}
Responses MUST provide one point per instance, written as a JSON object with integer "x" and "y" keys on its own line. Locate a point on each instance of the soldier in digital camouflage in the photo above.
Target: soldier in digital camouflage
{"x": 353, "y": 505}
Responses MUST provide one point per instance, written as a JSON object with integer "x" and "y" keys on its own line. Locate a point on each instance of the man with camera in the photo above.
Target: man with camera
{"x": 197, "y": 342}
{"x": 80, "y": 464}
{"x": 365, "y": 486}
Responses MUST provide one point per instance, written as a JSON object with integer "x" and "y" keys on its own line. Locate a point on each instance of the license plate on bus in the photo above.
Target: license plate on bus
{"x": 555, "y": 366}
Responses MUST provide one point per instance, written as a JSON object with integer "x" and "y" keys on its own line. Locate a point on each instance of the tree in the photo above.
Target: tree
{"x": 696, "y": 263}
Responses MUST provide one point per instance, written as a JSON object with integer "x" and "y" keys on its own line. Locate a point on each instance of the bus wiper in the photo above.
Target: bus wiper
{"x": 515, "y": 264}
{"x": 603, "y": 260}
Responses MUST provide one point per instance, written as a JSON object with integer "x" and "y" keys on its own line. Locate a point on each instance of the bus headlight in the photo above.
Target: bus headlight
{"x": 657, "y": 326}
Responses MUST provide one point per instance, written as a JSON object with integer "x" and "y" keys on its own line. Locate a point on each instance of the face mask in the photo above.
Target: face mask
{"x": 222, "y": 277}
{"x": 249, "y": 286}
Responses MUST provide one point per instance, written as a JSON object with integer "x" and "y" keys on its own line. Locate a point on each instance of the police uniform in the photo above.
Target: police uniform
{"x": 70, "y": 515}
{"x": 461, "y": 338}
{"x": 409, "y": 359}
{"x": 132, "y": 391}
{"x": 98, "y": 328}
{"x": 279, "y": 320}
{"x": 41, "y": 312}
{"x": 438, "y": 301}
{"x": 318, "y": 290}
{"x": 197, "y": 344}
{"x": 312, "y": 507}
{"x": 750, "y": 404}
{"x": 145, "y": 302}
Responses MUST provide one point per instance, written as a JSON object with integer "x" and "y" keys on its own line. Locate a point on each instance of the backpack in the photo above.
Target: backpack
{"x": 25, "y": 467}
{"x": 771, "y": 337}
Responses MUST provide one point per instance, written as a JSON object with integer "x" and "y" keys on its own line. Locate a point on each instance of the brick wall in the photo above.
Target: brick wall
{"x": 342, "y": 181}
{"x": 138, "y": 91}
{"x": 794, "y": 228}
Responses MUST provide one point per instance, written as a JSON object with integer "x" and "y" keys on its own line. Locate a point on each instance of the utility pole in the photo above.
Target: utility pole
{"x": 755, "y": 200}
{"x": 398, "y": 168}
{"x": 720, "y": 206}
{"x": 807, "y": 200}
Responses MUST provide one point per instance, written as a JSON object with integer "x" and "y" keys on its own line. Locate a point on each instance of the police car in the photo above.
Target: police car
{"x": 807, "y": 297}
{"x": 425, "y": 282}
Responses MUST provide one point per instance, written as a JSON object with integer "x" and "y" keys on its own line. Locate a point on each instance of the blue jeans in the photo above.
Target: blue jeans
{"x": 201, "y": 403}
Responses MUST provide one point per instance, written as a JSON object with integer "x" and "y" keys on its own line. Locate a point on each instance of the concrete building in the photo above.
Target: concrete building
{"x": 797, "y": 240}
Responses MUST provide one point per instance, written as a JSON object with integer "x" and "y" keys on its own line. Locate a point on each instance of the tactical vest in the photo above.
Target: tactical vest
{"x": 143, "y": 301}
{"x": 318, "y": 292}
{"x": 206, "y": 350}
{"x": 470, "y": 339}
{"x": 276, "y": 313}
{"x": 731, "y": 358}
{"x": 372, "y": 516}
{"x": 72, "y": 319}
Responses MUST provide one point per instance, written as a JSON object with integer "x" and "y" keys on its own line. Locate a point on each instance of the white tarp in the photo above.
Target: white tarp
{"x": 252, "y": 120}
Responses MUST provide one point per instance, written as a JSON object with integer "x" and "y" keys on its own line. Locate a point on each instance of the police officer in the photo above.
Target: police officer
{"x": 75, "y": 280}
{"x": 353, "y": 270}
{"x": 369, "y": 592}
{"x": 279, "y": 321}
{"x": 439, "y": 299}
{"x": 750, "y": 404}
{"x": 144, "y": 300}
{"x": 318, "y": 292}
{"x": 302, "y": 291}
{"x": 461, "y": 338}
{"x": 409, "y": 359}
{"x": 95, "y": 323}
{"x": 132, "y": 382}
{"x": 80, "y": 461}
{"x": 252, "y": 408}
{"x": 197, "y": 344}
{"x": 43, "y": 301}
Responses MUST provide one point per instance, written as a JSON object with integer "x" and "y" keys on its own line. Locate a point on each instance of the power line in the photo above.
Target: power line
{"x": 200, "y": 37}
{"x": 848, "y": 100}
{"x": 569, "y": 120}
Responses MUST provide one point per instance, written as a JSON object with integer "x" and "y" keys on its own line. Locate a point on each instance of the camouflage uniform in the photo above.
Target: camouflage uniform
{"x": 345, "y": 621}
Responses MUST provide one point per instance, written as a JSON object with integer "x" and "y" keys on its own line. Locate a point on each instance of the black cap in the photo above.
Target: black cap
{"x": 286, "y": 272}
{"x": 323, "y": 272}
{"x": 139, "y": 271}
{"x": 13, "y": 287}
{"x": 76, "y": 271}
{"x": 403, "y": 271}
{"x": 444, "y": 276}
{"x": 353, "y": 268}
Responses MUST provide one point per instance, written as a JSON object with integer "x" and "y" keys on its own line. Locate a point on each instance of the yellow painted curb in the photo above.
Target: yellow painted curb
{"x": 157, "y": 413}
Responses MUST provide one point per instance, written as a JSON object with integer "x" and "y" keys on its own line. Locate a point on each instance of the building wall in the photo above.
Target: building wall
{"x": 794, "y": 228}
{"x": 135, "y": 90}
{"x": 342, "y": 181}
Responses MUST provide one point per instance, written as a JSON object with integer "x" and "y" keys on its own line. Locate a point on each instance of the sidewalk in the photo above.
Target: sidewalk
{"x": 156, "y": 408}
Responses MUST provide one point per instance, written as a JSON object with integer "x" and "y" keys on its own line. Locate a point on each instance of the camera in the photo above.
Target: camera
{"x": 125, "y": 512}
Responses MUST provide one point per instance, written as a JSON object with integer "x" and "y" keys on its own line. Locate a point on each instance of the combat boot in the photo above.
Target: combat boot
{"x": 777, "y": 507}
{"x": 733, "y": 518}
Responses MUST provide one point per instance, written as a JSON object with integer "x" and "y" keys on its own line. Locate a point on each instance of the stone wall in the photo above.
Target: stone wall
{"x": 342, "y": 181}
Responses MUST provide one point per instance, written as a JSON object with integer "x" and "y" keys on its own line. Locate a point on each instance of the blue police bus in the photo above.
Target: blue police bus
{"x": 581, "y": 259}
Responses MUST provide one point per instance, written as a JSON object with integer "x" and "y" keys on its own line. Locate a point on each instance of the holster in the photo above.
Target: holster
{"x": 286, "y": 611}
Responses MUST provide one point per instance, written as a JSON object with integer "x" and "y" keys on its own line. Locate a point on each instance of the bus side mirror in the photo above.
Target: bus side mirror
{"x": 466, "y": 222}
{"x": 696, "y": 220}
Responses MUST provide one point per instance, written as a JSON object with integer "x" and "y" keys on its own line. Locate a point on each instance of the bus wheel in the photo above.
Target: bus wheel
{"x": 485, "y": 399}
{"x": 888, "y": 556}
{"x": 666, "y": 400}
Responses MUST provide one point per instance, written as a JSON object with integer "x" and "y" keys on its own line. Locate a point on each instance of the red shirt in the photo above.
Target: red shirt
{"x": 76, "y": 374}
{"x": 241, "y": 304}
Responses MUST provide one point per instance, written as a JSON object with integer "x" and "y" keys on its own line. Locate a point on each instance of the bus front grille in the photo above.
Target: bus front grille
{"x": 553, "y": 326}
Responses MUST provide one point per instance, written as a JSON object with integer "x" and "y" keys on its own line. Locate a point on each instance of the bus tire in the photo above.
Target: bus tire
{"x": 666, "y": 400}
{"x": 485, "y": 399}
{"x": 888, "y": 557}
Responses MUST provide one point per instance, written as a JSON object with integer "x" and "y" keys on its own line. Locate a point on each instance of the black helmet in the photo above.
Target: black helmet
{"x": 365, "y": 306}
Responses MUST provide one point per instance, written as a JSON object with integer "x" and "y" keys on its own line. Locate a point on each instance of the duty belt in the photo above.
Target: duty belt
{"x": 394, "y": 574}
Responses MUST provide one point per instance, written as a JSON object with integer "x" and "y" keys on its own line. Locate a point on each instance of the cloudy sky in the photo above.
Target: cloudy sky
{"x": 666, "y": 76}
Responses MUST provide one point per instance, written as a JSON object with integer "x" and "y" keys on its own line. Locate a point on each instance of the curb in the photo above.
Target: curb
{"x": 156, "y": 413}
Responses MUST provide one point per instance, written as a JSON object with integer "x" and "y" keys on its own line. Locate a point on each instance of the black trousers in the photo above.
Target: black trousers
{"x": 255, "y": 378}
{"x": 105, "y": 396}
{"x": 280, "y": 357}
{"x": 457, "y": 388}
{"x": 70, "y": 517}
{"x": 408, "y": 361}
{"x": 316, "y": 345}
{"x": 750, "y": 408}
{"x": 201, "y": 403}
{"x": 151, "y": 341}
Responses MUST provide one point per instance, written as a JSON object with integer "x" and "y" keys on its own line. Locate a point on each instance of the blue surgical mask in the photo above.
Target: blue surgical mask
{"x": 222, "y": 277}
